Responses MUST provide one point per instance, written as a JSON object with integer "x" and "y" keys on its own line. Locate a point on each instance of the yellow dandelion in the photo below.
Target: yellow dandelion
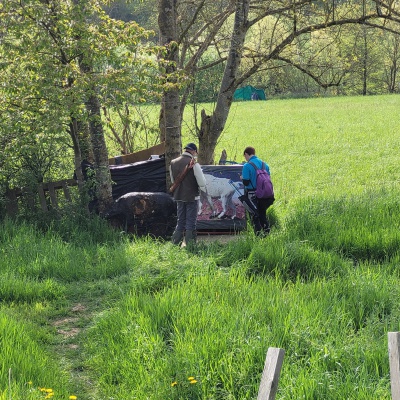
{"x": 191, "y": 378}
{"x": 72, "y": 397}
{"x": 174, "y": 384}
{"x": 48, "y": 390}
{"x": 30, "y": 383}
{"x": 193, "y": 381}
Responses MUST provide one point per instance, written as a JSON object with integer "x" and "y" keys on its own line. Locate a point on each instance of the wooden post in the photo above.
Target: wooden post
{"x": 394, "y": 363}
{"x": 42, "y": 197}
{"x": 66, "y": 191}
{"x": 271, "y": 373}
{"x": 52, "y": 194}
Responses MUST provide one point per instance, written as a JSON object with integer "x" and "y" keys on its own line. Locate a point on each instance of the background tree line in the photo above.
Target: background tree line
{"x": 72, "y": 72}
{"x": 366, "y": 60}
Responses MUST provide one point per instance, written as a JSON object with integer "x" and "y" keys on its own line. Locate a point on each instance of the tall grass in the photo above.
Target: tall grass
{"x": 329, "y": 146}
{"x": 362, "y": 227}
{"x": 91, "y": 312}
{"x": 333, "y": 332}
{"x": 26, "y": 368}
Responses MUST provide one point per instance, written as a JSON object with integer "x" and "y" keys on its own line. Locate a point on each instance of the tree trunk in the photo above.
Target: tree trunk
{"x": 212, "y": 126}
{"x": 79, "y": 133}
{"x": 100, "y": 154}
{"x": 393, "y": 71}
{"x": 365, "y": 62}
{"x": 73, "y": 132}
{"x": 84, "y": 140}
{"x": 393, "y": 65}
{"x": 170, "y": 115}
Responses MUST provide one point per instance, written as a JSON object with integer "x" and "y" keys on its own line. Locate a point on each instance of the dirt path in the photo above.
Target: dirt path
{"x": 217, "y": 238}
{"x": 68, "y": 347}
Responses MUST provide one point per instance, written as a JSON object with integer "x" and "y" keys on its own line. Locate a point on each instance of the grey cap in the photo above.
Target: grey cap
{"x": 191, "y": 146}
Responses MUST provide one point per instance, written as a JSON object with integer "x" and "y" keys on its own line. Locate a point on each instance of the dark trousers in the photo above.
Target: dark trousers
{"x": 187, "y": 215}
{"x": 259, "y": 220}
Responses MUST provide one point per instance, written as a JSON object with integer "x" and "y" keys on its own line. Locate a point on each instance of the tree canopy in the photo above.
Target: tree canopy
{"x": 60, "y": 61}
{"x": 251, "y": 36}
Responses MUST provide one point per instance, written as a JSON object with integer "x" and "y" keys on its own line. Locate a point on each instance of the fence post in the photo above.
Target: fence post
{"x": 271, "y": 373}
{"x": 66, "y": 191}
{"x": 52, "y": 193}
{"x": 42, "y": 197}
{"x": 394, "y": 363}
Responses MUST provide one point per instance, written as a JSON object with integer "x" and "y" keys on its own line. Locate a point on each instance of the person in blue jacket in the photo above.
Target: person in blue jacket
{"x": 259, "y": 220}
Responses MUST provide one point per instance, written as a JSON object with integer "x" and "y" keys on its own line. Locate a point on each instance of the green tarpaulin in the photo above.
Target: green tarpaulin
{"x": 249, "y": 93}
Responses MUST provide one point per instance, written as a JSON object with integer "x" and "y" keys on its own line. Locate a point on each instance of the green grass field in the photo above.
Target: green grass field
{"x": 88, "y": 313}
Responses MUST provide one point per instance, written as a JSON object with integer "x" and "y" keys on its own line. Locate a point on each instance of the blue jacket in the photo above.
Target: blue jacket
{"x": 249, "y": 173}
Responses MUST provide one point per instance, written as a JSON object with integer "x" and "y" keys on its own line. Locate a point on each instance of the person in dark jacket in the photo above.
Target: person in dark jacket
{"x": 187, "y": 194}
{"x": 249, "y": 178}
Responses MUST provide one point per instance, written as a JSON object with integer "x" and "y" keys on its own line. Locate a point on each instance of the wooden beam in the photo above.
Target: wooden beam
{"x": 394, "y": 363}
{"x": 59, "y": 184}
{"x": 271, "y": 373}
{"x": 141, "y": 155}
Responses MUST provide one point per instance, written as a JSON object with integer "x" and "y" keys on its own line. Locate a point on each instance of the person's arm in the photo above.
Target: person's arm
{"x": 246, "y": 175}
{"x": 198, "y": 174}
{"x": 170, "y": 174}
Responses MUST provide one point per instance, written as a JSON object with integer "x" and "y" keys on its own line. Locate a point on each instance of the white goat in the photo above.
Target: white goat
{"x": 218, "y": 187}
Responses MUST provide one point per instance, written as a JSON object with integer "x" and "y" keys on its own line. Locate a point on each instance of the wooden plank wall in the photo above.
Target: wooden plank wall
{"x": 142, "y": 155}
